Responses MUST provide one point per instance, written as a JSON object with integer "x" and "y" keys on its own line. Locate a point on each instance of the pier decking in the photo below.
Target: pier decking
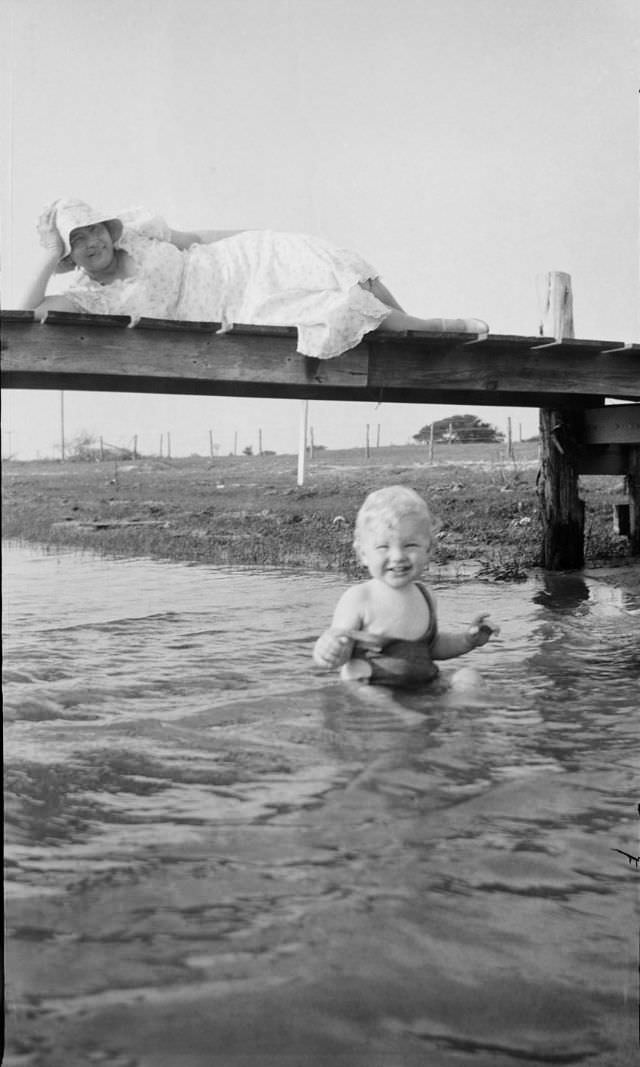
{"x": 568, "y": 379}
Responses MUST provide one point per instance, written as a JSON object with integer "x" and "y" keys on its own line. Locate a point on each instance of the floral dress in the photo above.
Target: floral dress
{"x": 259, "y": 277}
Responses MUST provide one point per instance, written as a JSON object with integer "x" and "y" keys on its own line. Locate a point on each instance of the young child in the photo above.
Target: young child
{"x": 385, "y": 630}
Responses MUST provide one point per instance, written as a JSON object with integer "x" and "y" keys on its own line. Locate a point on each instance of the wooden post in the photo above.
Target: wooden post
{"x": 302, "y": 442}
{"x": 135, "y": 446}
{"x": 633, "y": 489}
{"x": 259, "y": 441}
{"x": 235, "y": 443}
{"x": 561, "y": 507}
{"x": 367, "y": 450}
{"x": 378, "y": 436}
{"x": 211, "y": 443}
{"x": 509, "y": 438}
{"x": 555, "y": 301}
{"x": 101, "y": 448}
{"x": 450, "y": 433}
{"x": 431, "y": 437}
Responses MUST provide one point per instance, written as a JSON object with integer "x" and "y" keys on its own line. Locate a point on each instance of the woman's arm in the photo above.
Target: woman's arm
{"x": 36, "y": 291}
{"x": 53, "y": 303}
{"x": 183, "y": 239}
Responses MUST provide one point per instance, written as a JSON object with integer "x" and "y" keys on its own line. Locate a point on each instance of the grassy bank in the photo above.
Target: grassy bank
{"x": 249, "y": 510}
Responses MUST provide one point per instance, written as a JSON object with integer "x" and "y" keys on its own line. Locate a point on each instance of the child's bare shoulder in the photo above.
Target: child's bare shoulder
{"x": 351, "y": 605}
{"x": 359, "y": 593}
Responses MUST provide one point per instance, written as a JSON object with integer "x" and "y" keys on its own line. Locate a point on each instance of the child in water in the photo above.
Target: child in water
{"x": 385, "y": 630}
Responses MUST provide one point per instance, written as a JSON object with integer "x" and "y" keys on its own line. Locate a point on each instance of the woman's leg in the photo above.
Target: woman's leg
{"x": 399, "y": 321}
{"x": 380, "y": 291}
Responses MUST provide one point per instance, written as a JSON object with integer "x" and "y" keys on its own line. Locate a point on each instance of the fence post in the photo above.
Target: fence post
{"x": 302, "y": 441}
{"x": 367, "y": 450}
{"x": 431, "y": 436}
{"x": 62, "y": 426}
{"x": 211, "y": 443}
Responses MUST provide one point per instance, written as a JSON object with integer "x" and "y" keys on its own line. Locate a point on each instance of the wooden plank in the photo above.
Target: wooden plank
{"x": 504, "y": 365}
{"x": 612, "y": 424}
{"x": 102, "y": 353}
{"x": 602, "y": 459}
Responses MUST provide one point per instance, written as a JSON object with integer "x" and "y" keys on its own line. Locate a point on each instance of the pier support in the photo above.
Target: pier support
{"x": 561, "y": 507}
{"x": 633, "y": 489}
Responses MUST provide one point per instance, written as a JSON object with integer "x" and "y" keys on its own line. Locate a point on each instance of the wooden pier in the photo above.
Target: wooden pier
{"x": 569, "y": 380}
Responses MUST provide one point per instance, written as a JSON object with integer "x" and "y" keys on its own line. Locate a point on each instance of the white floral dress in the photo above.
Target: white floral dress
{"x": 259, "y": 277}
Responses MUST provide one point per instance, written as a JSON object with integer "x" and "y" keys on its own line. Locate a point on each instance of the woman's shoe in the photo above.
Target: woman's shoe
{"x": 477, "y": 326}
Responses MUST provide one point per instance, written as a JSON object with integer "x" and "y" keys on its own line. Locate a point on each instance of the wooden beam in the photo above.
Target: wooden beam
{"x": 601, "y": 459}
{"x": 102, "y": 353}
{"x": 612, "y": 424}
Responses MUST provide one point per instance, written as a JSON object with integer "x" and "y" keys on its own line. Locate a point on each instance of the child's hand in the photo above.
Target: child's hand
{"x": 333, "y": 648}
{"x": 481, "y": 631}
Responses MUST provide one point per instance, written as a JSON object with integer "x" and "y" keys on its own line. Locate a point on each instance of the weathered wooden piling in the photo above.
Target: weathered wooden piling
{"x": 561, "y": 507}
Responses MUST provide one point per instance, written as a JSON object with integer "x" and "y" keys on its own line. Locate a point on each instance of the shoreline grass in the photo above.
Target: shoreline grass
{"x": 240, "y": 510}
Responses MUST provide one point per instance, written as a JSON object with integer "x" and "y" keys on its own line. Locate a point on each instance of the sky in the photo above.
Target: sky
{"x": 464, "y": 147}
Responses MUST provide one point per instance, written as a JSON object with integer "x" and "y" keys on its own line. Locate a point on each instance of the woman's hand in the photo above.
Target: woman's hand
{"x": 333, "y": 648}
{"x": 481, "y": 631}
{"x": 50, "y": 238}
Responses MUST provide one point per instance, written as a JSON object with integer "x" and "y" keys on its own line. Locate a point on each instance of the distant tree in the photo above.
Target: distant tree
{"x": 82, "y": 447}
{"x": 247, "y": 450}
{"x": 461, "y": 428}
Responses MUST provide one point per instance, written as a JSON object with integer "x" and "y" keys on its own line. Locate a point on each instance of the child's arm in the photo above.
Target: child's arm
{"x": 183, "y": 239}
{"x": 335, "y": 646}
{"x": 449, "y": 645}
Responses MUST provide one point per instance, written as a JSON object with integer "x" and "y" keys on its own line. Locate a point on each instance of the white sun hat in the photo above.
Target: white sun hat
{"x": 68, "y": 215}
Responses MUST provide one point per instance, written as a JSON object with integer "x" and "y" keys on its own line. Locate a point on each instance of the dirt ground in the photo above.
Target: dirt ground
{"x": 250, "y": 510}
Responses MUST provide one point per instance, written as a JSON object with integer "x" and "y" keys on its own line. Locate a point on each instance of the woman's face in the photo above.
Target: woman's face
{"x": 92, "y": 248}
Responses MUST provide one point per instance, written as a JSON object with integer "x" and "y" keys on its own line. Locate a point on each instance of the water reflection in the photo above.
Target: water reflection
{"x": 217, "y": 855}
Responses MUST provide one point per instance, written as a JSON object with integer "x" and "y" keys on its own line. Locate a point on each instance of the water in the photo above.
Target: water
{"x": 217, "y": 855}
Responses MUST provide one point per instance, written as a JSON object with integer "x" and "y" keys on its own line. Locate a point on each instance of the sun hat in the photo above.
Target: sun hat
{"x": 67, "y": 216}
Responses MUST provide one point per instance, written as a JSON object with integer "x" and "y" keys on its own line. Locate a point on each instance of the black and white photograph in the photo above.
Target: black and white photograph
{"x": 321, "y": 532}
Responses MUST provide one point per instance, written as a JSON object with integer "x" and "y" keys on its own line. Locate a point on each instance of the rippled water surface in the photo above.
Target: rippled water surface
{"x": 217, "y": 855}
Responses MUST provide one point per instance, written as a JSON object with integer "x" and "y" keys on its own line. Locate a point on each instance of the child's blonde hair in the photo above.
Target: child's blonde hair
{"x": 390, "y": 505}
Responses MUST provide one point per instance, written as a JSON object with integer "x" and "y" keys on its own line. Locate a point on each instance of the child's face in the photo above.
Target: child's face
{"x": 92, "y": 247}
{"x": 396, "y": 554}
